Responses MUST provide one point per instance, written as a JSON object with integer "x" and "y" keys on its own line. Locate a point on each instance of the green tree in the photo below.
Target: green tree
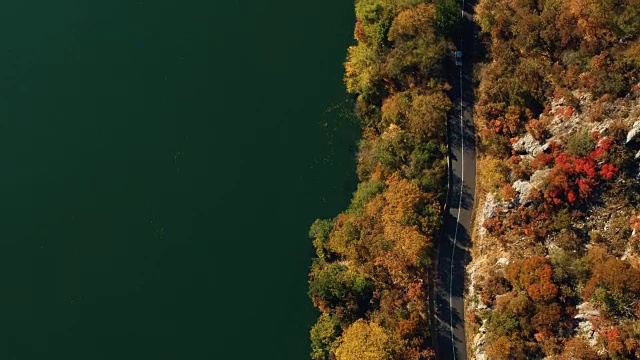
{"x": 319, "y": 232}
{"x": 334, "y": 286}
{"x": 428, "y": 167}
{"x": 392, "y": 149}
{"x": 629, "y": 20}
{"x": 448, "y": 15}
{"x": 375, "y": 17}
{"x": 323, "y": 336}
{"x": 364, "y": 193}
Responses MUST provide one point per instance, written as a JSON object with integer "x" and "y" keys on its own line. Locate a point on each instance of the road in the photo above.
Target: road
{"x": 452, "y": 253}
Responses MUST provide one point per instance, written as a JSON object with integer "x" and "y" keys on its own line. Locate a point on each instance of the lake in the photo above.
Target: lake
{"x": 161, "y": 164}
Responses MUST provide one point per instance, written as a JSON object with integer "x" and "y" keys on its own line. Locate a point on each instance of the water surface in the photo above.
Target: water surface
{"x": 161, "y": 162}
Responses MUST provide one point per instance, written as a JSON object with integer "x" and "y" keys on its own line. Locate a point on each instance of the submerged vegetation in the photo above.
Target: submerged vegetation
{"x": 371, "y": 275}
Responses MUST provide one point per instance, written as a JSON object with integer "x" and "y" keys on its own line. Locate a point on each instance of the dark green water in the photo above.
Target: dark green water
{"x": 161, "y": 162}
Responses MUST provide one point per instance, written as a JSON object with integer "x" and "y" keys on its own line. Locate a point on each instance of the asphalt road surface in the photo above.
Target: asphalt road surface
{"x": 452, "y": 251}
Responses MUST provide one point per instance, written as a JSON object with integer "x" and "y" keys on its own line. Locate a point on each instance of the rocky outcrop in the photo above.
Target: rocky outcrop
{"x": 586, "y": 313}
{"x": 478, "y": 343}
{"x": 522, "y": 188}
{"x": 634, "y": 132}
{"x": 527, "y": 145}
{"x": 539, "y": 177}
{"x": 487, "y": 211}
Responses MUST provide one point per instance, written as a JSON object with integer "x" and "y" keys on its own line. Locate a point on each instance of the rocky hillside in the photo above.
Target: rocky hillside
{"x": 567, "y": 213}
{"x": 555, "y": 270}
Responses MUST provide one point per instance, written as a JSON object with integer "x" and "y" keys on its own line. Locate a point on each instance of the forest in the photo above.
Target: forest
{"x": 564, "y": 74}
{"x": 370, "y": 276}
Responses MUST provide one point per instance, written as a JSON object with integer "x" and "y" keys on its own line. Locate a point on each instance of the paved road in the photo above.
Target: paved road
{"x": 452, "y": 253}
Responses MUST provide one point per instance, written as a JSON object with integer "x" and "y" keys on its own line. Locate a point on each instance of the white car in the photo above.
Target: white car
{"x": 458, "y": 58}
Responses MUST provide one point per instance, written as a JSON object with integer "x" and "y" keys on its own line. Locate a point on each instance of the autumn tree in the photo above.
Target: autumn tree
{"x": 374, "y": 18}
{"x": 577, "y": 348}
{"x": 344, "y": 237}
{"x": 371, "y": 274}
{"x": 423, "y": 115}
{"x": 533, "y": 275}
{"x": 614, "y": 285}
{"x": 505, "y": 348}
{"x": 409, "y": 219}
{"x": 559, "y": 52}
{"x": 366, "y": 341}
{"x": 363, "y": 74}
{"x": 417, "y": 51}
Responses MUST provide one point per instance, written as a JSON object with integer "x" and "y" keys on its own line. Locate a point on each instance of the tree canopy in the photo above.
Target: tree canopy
{"x": 372, "y": 270}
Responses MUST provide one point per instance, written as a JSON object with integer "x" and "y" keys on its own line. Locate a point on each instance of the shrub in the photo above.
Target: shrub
{"x": 561, "y": 220}
{"x": 568, "y": 240}
{"x": 492, "y": 174}
{"x": 538, "y": 129}
{"x": 507, "y": 193}
{"x": 580, "y": 144}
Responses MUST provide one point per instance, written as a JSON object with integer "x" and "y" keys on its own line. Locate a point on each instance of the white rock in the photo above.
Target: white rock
{"x": 522, "y": 188}
{"x": 601, "y": 128}
{"x": 527, "y": 145}
{"x": 586, "y": 311}
{"x": 489, "y": 206}
{"x": 585, "y": 328}
{"x": 488, "y": 210}
{"x": 502, "y": 261}
{"x": 539, "y": 177}
{"x": 478, "y": 343}
{"x": 544, "y": 147}
{"x": 634, "y": 132}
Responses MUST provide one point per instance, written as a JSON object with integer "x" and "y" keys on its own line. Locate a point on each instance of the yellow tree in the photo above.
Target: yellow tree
{"x": 417, "y": 51}
{"x": 365, "y": 341}
{"x": 362, "y": 71}
{"x": 404, "y": 227}
{"x": 428, "y": 116}
{"x": 423, "y": 115}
